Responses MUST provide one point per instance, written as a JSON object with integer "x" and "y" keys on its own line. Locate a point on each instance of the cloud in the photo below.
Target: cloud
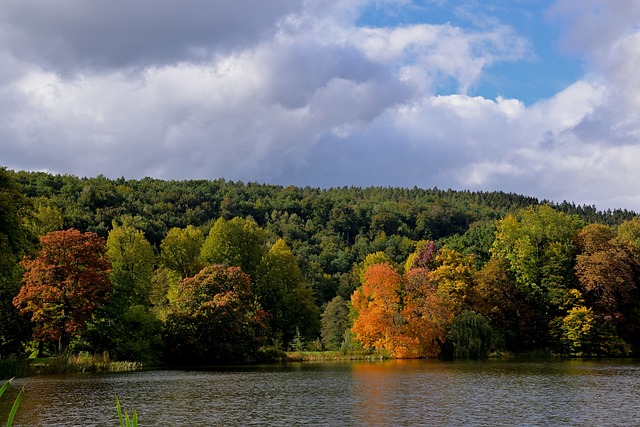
{"x": 298, "y": 93}
{"x": 72, "y": 35}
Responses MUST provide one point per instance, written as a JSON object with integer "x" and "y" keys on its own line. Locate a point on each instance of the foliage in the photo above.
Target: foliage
{"x": 16, "y": 240}
{"x": 282, "y": 292}
{"x": 180, "y": 250}
{"x": 540, "y": 274}
{"x": 235, "y": 243}
{"x": 334, "y": 323}
{"x": 399, "y": 313}
{"x": 215, "y": 319}
{"x": 65, "y": 284}
{"x": 469, "y": 337}
{"x": 126, "y": 327}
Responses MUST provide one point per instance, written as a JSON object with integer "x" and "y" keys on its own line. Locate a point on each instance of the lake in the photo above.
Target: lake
{"x": 385, "y": 393}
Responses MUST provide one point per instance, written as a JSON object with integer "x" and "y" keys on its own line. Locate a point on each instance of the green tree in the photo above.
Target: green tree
{"x": 469, "y": 337}
{"x": 283, "y": 293}
{"x": 180, "y": 250}
{"x": 237, "y": 243}
{"x": 45, "y": 218}
{"x": 16, "y": 240}
{"x": 540, "y": 247}
{"x": 133, "y": 262}
{"x": 125, "y": 326}
{"x": 334, "y": 323}
{"x": 629, "y": 231}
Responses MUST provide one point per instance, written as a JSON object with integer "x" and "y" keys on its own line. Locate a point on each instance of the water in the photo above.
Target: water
{"x": 389, "y": 393}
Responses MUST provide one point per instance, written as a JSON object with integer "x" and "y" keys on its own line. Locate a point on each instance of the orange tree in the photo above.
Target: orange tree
{"x": 64, "y": 284}
{"x": 401, "y": 314}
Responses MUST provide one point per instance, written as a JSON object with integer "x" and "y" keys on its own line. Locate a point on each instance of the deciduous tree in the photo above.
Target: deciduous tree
{"x": 283, "y": 293}
{"x": 215, "y": 319}
{"x": 180, "y": 250}
{"x": 16, "y": 240}
{"x": 399, "y": 313}
{"x": 65, "y": 284}
{"x": 237, "y": 243}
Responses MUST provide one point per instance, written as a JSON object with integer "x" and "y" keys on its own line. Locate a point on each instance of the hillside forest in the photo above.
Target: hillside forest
{"x": 215, "y": 271}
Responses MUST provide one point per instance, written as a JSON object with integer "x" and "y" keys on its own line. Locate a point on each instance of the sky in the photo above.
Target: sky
{"x": 535, "y": 97}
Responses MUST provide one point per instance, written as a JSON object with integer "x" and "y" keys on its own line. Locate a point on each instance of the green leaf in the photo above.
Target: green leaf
{"x": 5, "y": 386}
{"x": 119, "y": 409}
{"x": 14, "y": 408}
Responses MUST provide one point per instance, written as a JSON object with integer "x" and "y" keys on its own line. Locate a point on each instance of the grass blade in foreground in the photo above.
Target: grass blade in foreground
{"x": 126, "y": 421}
{"x": 14, "y": 408}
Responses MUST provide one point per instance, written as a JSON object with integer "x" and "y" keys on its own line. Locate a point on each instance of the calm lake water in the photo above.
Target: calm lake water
{"x": 388, "y": 393}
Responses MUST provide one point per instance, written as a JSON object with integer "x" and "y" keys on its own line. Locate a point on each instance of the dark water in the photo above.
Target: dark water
{"x": 390, "y": 393}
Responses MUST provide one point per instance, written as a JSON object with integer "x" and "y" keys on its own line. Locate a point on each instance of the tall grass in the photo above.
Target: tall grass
{"x": 82, "y": 362}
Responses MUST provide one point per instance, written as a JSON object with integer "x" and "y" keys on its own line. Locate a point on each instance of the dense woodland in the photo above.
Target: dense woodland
{"x": 219, "y": 271}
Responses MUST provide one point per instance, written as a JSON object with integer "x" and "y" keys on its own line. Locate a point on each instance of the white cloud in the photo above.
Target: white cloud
{"x": 307, "y": 97}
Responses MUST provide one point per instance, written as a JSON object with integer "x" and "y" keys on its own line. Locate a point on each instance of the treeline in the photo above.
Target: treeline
{"x": 213, "y": 271}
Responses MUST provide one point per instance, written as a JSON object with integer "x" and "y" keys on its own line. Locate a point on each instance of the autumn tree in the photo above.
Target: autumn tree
{"x": 65, "y": 284}
{"x": 454, "y": 275}
{"x": 399, "y": 313}
{"x": 215, "y": 319}
{"x": 608, "y": 271}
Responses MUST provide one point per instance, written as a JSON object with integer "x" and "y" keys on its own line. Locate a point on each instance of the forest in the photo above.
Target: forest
{"x": 215, "y": 271}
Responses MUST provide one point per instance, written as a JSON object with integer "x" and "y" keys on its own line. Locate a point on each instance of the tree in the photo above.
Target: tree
{"x": 125, "y": 326}
{"x": 283, "y": 293}
{"x": 65, "y": 284}
{"x": 454, "y": 275}
{"x": 235, "y": 243}
{"x": 469, "y": 336}
{"x": 180, "y": 250}
{"x": 215, "y": 319}
{"x": 334, "y": 323}
{"x": 608, "y": 272}
{"x": 540, "y": 248}
{"x": 45, "y": 218}
{"x": 16, "y": 240}
{"x": 132, "y": 261}
{"x": 399, "y": 314}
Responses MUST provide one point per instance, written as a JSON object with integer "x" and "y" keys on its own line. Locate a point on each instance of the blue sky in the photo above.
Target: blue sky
{"x": 538, "y": 97}
{"x": 546, "y": 69}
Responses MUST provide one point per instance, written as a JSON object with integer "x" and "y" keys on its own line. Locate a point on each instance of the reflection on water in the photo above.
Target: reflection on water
{"x": 401, "y": 393}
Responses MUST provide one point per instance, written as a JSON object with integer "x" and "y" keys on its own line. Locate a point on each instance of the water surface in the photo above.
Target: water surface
{"x": 387, "y": 393}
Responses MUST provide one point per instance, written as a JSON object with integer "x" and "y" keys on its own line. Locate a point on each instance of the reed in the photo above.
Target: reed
{"x": 82, "y": 362}
{"x": 123, "y": 416}
{"x": 16, "y": 402}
